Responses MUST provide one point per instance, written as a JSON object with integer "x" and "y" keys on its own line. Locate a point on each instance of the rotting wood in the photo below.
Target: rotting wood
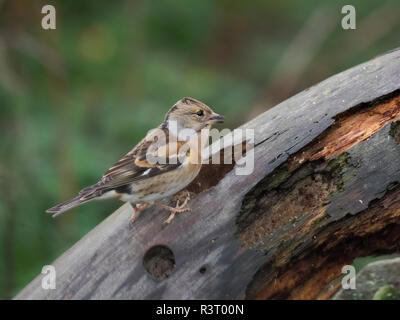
{"x": 298, "y": 193}
{"x": 376, "y": 230}
{"x": 302, "y": 186}
{"x": 313, "y": 203}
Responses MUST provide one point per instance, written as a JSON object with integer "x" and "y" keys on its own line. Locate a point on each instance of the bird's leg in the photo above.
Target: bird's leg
{"x": 136, "y": 209}
{"x": 177, "y": 209}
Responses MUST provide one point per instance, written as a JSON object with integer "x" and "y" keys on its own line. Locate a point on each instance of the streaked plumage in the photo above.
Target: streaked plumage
{"x": 136, "y": 180}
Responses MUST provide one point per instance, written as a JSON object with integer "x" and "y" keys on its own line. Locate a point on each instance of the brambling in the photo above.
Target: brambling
{"x": 161, "y": 165}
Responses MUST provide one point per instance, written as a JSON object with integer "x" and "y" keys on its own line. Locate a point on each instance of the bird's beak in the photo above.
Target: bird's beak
{"x": 215, "y": 118}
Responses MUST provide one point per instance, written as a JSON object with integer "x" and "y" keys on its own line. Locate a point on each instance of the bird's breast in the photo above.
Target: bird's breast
{"x": 164, "y": 185}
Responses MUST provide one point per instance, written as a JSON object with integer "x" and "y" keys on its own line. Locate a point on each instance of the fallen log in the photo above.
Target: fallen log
{"x": 324, "y": 191}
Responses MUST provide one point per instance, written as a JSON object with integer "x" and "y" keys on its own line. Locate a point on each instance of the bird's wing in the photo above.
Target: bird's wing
{"x": 135, "y": 165}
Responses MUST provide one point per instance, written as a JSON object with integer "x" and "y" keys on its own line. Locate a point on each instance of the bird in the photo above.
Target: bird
{"x": 161, "y": 165}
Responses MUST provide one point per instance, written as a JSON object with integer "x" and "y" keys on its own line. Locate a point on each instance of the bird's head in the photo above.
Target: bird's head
{"x": 189, "y": 113}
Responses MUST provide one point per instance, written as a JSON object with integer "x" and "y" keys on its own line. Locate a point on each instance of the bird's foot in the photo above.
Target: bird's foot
{"x": 136, "y": 209}
{"x": 179, "y": 208}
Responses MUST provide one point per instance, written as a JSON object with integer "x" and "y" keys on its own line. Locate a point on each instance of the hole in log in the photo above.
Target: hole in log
{"x": 203, "y": 269}
{"x": 159, "y": 261}
{"x": 210, "y": 174}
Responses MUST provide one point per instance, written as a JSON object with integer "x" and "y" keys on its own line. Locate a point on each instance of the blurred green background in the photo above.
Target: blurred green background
{"x": 75, "y": 99}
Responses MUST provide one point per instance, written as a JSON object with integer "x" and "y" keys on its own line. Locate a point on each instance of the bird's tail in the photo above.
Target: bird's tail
{"x": 84, "y": 196}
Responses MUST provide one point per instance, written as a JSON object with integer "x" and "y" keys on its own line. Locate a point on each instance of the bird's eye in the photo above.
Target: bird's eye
{"x": 200, "y": 113}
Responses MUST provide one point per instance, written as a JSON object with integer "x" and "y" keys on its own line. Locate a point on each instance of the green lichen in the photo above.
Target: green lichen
{"x": 336, "y": 168}
{"x": 395, "y": 131}
{"x": 339, "y": 163}
{"x": 387, "y": 292}
{"x": 276, "y": 179}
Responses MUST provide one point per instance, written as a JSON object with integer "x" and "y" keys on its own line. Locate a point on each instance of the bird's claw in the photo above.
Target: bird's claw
{"x": 136, "y": 209}
{"x": 174, "y": 211}
{"x": 179, "y": 208}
